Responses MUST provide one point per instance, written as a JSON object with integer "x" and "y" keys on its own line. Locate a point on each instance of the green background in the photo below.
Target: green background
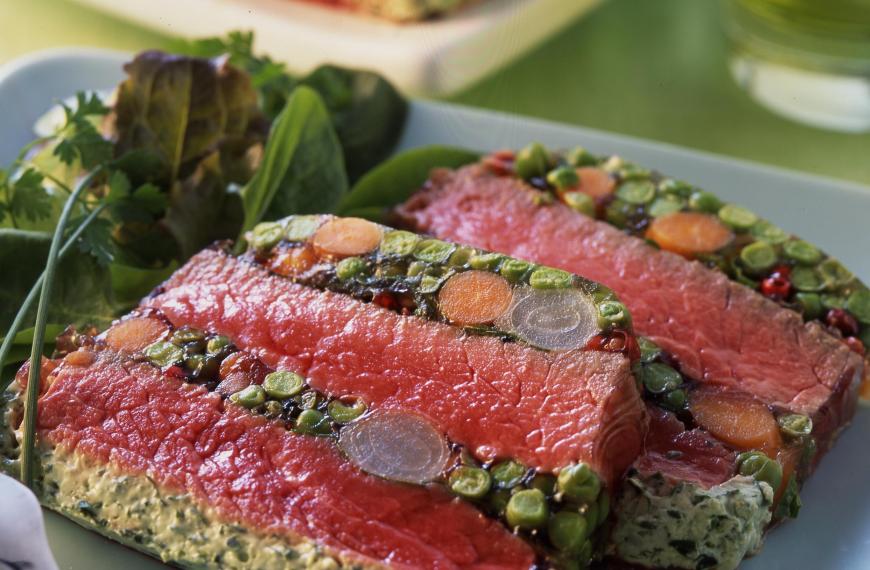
{"x": 652, "y": 69}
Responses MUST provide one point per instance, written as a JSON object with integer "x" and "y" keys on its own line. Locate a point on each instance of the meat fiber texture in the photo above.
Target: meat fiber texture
{"x": 500, "y": 400}
{"x": 256, "y": 472}
{"x": 719, "y": 331}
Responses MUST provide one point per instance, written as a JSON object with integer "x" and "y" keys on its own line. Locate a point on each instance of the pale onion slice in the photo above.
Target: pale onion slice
{"x": 395, "y": 445}
{"x": 552, "y": 319}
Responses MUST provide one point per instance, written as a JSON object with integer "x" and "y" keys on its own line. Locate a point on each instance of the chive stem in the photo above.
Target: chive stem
{"x": 33, "y": 381}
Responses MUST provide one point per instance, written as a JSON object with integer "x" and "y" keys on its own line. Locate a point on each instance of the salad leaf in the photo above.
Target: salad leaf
{"x": 396, "y": 179}
{"x": 130, "y": 284}
{"x": 302, "y": 171}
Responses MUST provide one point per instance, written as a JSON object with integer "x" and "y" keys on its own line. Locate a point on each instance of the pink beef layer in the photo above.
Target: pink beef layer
{"x": 720, "y": 332}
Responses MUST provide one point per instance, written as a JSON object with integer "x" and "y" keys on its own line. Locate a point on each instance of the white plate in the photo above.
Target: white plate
{"x": 433, "y": 58}
{"x": 833, "y": 531}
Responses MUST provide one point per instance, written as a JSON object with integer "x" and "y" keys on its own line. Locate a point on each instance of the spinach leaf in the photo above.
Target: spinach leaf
{"x": 302, "y": 170}
{"x": 396, "y": 179}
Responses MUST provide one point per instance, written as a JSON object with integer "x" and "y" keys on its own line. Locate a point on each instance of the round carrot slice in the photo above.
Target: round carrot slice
{"x": 344, "y": 237}
{"x": 595, "y": 182}
{"x": 474, "y": 297}
{"x": 689, "y": 233}
{"x": 132, "y": 335}
{"x": 737, "y": 419}
{"x": 294, "y": 261}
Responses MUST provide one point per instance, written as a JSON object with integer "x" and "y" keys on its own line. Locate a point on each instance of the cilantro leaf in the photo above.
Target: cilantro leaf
{"x": 79, "y": 138}
{"x": 97, "y": 241}
{"x": 29, "y": 198}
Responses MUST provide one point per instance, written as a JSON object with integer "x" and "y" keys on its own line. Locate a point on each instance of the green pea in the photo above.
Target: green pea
{"x": 310, "y": 400}
{"x": 667, "y": 204}
{"x": 508, "y": 474}
{"x": 470, "y": 482}
{"x": 795, "y": 425}
{"x": 803, "y": 252}
{"x": 765, "y": 231}
{"x": 217, "y": 344}
{"x": 187, "y": 335}
{"x": 283, "y": 384}
{"x": 312, "y": 422}
{"x": 513, "y": 269}
{"x": 164, "y": 354}
{"x": 460, "y": 257}
{"x": 579, "y": 482}
{"x": 591, "y": 514}
{"x": 342, "y": 413}
{"x": 398, "y": 243}
{"x": 603, "y": 507}
{"x": 659, "y": 378}
{"x": 637, "y": 193}
{"x": 550, "y": 278}
{"x": 391, "y": 270}
{"x": 677, "y": 188}
{"x": 433, "y": 251}
{"x": 193, "y": 362}
{"x": 613, "y": 314}
{"x": 579, "y": 156}
{"x": 527, "y": 509}
{"x": 701, "y": 201}
{"x": 649, "y": 350}
{"x": 806, "y": 279}
{"x": 580, "y": 202}
{"x": 758, "y": 465}
{"x": 563, "y": 177}
{"x": 675, "y": 400}
{"x": 532, "y": 161}
{"x": 430, "y": 284}
{"x": 350, "y": 267}
{"x": 300, "y": 228}
{"x": 858, "y": 304}
{"x": 737, "y": 217}
{"x": 485, "y": 261}
{"x": 273, "y": 408}
{"x": 544, "y": 482}
{"x": 617, "y": 213}
{"x": 632, "y": 171}
{"x": 203, "y": 367}
{"x": 416, "y": 268}
{"x": 811, "y": 305}
{"x": 567, "y": 531}
{"x": 251, "y": 397}
{"x": 758, "y": 257}
{"x": 832, "y": 302}
{"x": 266, "y": 235}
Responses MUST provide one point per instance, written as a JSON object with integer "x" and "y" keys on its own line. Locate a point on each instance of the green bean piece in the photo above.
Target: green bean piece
{"x": 251, "y": 397}
{"x": 300, "y": 228}
{"x": 550, "y": 278}
{"x": 678, "y": 188}
{"x": 811, "y": 305}
{"x": 613, "y": 314}
{"x": 579, "y": 482}
{"x": 527, "y": 509}
{"x": 217, "y": 344}
{"x": 591, "y": 514}
{"x": 832, "y": 302}
{"x": 675, "y": 400}
{"x": 266, "y": 235}
{"x": 470, "y": 482}
{"x": 858, "y": 304}
{"x": 834, "y": 273}
{"x": 312, "y": 422}
{"x": 758, "y": 465}
{"x": 485, "y": 261}
{"x": 391, "y": 270}
{"x": 164, "y": 354}
{"x": 579, "y": 156}
{"x": 701, "y": 201}
{"x": 193, "y": 362}
{"x": 758, "y": 257}
{"x": 342, "y": 413}
{"x": 350, "y": 267}
{"x": 737, "y": 218}
{"x": 310, "y": 400}
{"x": 795, "y": 426}
{"x": 433, "y": 251}
{"x": 649, "y": 350}
{"x": 659, "y": 378}
{"x": 666, "y": 204}
{"x": 545, "y": 483}
{"x": 767, "y": 232}
{"x": 580, "y": 202}
{"x": 864, "y": 335}
{"x": 398, "y": 243}
{"x": 415, "y": 268}
{"x": 802, "y": 252}
{"x": 636, "y": 192}
{"x": 513, "y": 269}
{"x": 806, "y": 279}
{"x": 507, "y": 474}
{"x": 616, "y": 213}
{"x": 563, "y": 177}
{"x": 532, "y": 161}
{"x": 567, "y": 531}
{"x": 460, "y": 257}
{"x": 273, "y": 408}
{"x": 603, "y": 507}
{"x": 187, "y": 335}
{"x": 283, "y": 384}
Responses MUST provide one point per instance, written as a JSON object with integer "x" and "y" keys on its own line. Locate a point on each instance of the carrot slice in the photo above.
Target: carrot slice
{"x": 474, "y": 297}
{"x": 132, "y": 335}
{"x": 737, "y": 419}
{"x": 344, "y": 237}
{"x": 294, "y": 261}
{"x": 689, "y": 233}
{"x": 595, "y": 182}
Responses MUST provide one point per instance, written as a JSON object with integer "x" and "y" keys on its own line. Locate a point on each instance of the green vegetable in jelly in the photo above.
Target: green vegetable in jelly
{"x": 460, "y": 257}
{"x": 513, "y": 269}
{"x": 532, "y": 161}
{"x": 217, "y": 344}
{"x": 350, "y": 267}
{"x": 613, "y": 314}
{"x": 580, "y": 202}
{"x": 758, "y": 257}
{"x": 251, "y": 397}
{"x": 164, "y": 354}
{"x": 767, "y": 232}
{"x": 795, "y": 425}
{"x": 312, "y": 422}
{"x": 758, "y": 465}
{"x": 550, "y": 278}
{"x": 659, "y": 378}
{"x": 508, "y": 474}
{"x": 563, "y": 177}
{"x": 737, "y": 217}
{"x": 637, "y": 192}
{"x": 300, "y": 228}
{"x": 266, "y": 235}
{"x": 527, "y": 509}
{"x": 433, "y": 251}
{"x": 664, "y": 205}
{"x": 802, "y": 252}
{"x": 579, "y": 482}
{"x": 283, "y": 384}
{"x": 810, "y": 305}
{"x": 567, "y": 531}
{"x": 344, "y": 413}
{"x": 398, "y": 243}
{"x": 470, "y": 482}
{"x": 485, "y": 261}
{"x": 579, "y": 156}
{"x": 834, "y": 274}
{"x": 858, "y": 304}
{"x": 806, "y": 279}
{"x": 701, "y": 201}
